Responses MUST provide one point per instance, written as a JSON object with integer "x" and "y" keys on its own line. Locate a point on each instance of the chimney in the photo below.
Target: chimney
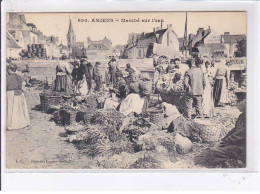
{"x": 12, "y": 16}
{"x": 226, "y": 33}
{"x": 169, "y": 26}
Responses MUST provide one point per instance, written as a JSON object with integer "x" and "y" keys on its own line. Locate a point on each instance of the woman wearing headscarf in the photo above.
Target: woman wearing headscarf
{"x": 137, "y": 100}
{"x": 63, "y": 79}
{"x": 17, "y": 111}
{"x": 220, "y": 92}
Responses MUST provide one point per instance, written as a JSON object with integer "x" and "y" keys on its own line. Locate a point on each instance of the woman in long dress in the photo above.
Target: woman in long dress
{"x": 63, "y": 80}
{"x": 17, "y": 111}
{"x": 207, "y": 97}
{"x": 220, "y": 92}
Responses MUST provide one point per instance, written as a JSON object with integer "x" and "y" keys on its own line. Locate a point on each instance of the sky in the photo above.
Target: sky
{"x": 57, "y": 24}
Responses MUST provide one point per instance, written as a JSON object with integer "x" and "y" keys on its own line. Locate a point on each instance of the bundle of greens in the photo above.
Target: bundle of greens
{"x": 111, "y": 118}
{"x": 155, "y": 139}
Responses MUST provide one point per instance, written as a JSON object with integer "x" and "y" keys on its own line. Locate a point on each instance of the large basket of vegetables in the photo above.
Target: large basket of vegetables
{"x": 50, "y": 98}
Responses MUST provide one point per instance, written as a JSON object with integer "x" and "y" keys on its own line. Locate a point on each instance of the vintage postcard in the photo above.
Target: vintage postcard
{"x": 128, "y": 90}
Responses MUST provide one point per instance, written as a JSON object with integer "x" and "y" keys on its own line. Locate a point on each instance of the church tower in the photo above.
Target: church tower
{"x": 71, "y": 37}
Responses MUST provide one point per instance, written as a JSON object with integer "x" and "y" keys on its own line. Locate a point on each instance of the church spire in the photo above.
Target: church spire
{"x": 71, "y": 37}
{"x": 70, "y": 31}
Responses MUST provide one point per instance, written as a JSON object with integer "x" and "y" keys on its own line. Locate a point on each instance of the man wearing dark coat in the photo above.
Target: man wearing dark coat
{"x": 88, "y": 69}
{"x": 97, "y": 76}
{"x": 194, "y": 85}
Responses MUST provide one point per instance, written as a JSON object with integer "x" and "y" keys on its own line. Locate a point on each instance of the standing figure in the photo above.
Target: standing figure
{"x": 112, "y": 71}
{"x": 63, "y": 79}
{"x": 97, "y": 76}
{"x": 89, "y": 73}
{"x": 194, "y": 85}
{"x": 81, "y": 79}
{"x": 17, "y": 111}
{"x": 75, "y": 78}
{"x": 207, "y": 97}
{"x": 220, "y": 92}
{"x": 130, "y": 72}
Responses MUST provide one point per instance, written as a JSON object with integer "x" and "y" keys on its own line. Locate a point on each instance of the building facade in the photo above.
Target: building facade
{"x": 142, "y": 45}
{"x": 26, "y": 34}
{"x": 99, "y": 49}
{"x": 212, "y": 44}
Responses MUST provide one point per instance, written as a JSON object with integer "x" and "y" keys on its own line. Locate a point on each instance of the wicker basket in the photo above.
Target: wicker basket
{"x": 48, "y": 101}
{"x": 156, "y": 117}
{"x": 88, "y": 114}
{"x": 57, "y": 118}
{"x": 68, "y": 116}
{"x": 208, "y": 131}
{"x": 178, "y": 99}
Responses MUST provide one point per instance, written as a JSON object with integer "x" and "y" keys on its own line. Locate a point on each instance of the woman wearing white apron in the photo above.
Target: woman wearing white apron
{"x": 17, "y": 112}
{"x": 207, "y": 97}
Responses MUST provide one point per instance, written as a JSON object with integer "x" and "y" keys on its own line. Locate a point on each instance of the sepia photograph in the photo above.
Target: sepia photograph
{"x": 126, "y": 90}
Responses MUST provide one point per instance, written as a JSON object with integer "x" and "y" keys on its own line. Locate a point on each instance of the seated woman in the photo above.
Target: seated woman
{"x": 134, "y": 84}
{"x": 145, "y": 90}
{"x": 118, "y": 92}
{"x": 137, "y": 100}
{"x": 175, "y": 122}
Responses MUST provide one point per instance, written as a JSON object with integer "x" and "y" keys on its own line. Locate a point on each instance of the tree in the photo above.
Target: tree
{"x": 241, "y": 48}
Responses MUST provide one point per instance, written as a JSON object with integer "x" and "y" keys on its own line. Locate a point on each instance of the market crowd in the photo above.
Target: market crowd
{"x": 130, "y": 92}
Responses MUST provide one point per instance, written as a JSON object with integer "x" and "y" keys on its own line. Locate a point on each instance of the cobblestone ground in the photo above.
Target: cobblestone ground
{"x": 42, "y": 146}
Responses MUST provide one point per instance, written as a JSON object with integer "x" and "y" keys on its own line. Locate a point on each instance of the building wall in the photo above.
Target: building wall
{"x": 170, "y": 39}
{"x": 99, "y": 54}
{"x": 33, "y": 38}
{"x": 213, "y": 37}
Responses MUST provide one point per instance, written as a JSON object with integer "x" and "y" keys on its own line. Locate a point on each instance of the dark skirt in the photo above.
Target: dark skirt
{"x": 217, "y": 91}
{"x": 63, "y": 84}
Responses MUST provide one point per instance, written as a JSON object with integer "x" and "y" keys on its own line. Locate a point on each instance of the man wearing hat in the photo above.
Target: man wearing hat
{"x": 233, "y": 146}
{"x": 194, "y": 85}
{"x": 89, "y": 71}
